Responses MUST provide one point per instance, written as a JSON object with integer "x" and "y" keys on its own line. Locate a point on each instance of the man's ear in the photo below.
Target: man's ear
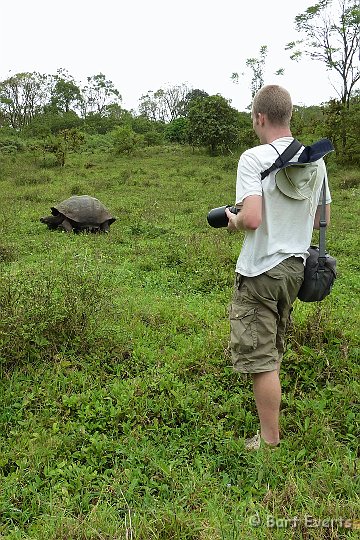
{"x": 261, "y": 119}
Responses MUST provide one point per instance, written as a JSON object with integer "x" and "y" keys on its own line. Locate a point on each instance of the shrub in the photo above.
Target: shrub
{"x": 125, "y": 140}
{"x": 9, "y": 145}
{"x": 177, "y": 131}
{"x": 153, "y": 138}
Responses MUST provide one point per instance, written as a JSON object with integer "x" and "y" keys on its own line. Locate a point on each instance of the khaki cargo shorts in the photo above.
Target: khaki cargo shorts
{"x": 259, "y": 314}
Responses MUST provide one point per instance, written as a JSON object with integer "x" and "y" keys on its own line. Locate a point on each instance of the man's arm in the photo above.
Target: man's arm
{"x": 250, "y": 216}
{"x": 317, "y": 216}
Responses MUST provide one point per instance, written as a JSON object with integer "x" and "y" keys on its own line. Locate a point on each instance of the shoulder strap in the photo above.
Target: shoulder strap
{"x": 288, "y": 154}
{"x": 322, "y": 233}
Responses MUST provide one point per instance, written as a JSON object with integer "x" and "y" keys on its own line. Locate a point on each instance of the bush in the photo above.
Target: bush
{"x": 65, "y": 141}
{"x": 153, "y": 138}
{"x": 125, "y": 140}
{"x": 178, "y": 131}
{"x": 9, "y": 145}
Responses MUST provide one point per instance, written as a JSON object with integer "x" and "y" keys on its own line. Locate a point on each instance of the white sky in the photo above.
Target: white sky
{"x": 143, "y": 45}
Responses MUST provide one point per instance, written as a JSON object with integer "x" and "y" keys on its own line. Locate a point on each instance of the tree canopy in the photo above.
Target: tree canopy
{"x": 165, "y": 104}
{"x": 331, "y": 34}
{"x": 213, "y": 123}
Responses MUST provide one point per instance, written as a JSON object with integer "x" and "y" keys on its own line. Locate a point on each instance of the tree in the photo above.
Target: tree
{"x": 142, "y": 124}
{"x": 190, "y": 97}
{"x": 308, "y": 123}
{"x": 149, "y": 106}
{"x": 51, "y": 122}
{"x": 213, "y": 123}
{"x": 65, "y": 93}
{"x": 113, "y": 115}
{"x": 247, "y": 136}
{"x": 22, "y": 96}
{"x": 335, "y": 117}
{"x": 120, "y": 115}
{"x": 164, "y": 104}
{"x": 98, "y": 94}
{"x": 257, "y": 66}
{"x": 332, "y": 35}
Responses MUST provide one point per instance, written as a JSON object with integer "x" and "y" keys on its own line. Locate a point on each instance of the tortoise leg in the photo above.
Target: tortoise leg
{"x": 105, "y": 227}
{"x": 66, "y": 225}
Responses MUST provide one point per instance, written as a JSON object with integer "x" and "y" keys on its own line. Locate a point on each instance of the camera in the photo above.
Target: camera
{"x": 218, "y": 218}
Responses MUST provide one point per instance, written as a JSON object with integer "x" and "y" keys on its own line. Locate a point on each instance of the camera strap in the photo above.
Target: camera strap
{"x": 283, "y": 158}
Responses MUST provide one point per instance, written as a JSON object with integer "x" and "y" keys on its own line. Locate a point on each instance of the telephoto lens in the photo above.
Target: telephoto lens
{"x": 217, "y": 216}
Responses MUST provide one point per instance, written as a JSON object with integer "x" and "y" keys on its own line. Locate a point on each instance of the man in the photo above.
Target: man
{"x": 269, "y": 271}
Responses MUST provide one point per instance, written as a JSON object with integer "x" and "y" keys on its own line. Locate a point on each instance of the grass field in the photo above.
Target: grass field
{"x": 121, "y": 417}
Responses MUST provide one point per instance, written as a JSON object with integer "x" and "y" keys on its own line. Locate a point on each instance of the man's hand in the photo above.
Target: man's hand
{"x": 250, "y": 216}
{"x": 232, "y": 220}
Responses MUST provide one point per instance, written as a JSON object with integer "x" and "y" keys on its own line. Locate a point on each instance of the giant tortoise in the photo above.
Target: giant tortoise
{"x": 80, "y": 213}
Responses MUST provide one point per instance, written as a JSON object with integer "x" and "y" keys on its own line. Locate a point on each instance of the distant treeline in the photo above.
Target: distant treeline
{"x": 60, "y": 113}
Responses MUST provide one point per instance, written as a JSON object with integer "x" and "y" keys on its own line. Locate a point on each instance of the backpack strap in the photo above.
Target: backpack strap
{"x": 286, "y": 156}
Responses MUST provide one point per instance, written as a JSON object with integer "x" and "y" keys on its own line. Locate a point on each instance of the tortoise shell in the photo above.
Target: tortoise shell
{"x": 84, "y": 210}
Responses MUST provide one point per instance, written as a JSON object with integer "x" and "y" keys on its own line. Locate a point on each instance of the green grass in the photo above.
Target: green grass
{"x": 121, "y": 417}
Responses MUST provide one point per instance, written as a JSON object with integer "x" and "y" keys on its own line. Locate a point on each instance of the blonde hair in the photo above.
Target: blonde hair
{"x": 275, "y": 102}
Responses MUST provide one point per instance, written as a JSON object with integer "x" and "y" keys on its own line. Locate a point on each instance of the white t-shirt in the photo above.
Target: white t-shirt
{"x": 287, "y": 224}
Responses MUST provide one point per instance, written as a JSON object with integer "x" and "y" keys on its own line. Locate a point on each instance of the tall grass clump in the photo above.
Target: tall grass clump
{"x": 57, "y": 309}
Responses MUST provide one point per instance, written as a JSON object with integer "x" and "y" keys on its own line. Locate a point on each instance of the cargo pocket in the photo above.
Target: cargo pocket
{"x": 243, "y": 328}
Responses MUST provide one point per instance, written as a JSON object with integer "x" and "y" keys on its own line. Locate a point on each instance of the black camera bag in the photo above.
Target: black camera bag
{"x": 319, "y": 276}
{"x": 320, "y": 268}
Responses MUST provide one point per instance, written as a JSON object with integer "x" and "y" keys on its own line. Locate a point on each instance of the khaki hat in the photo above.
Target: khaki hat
{"x": 299, "y": 181}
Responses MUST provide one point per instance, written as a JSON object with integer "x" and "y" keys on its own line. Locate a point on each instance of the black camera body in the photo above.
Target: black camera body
{"x": 217, "y": 216}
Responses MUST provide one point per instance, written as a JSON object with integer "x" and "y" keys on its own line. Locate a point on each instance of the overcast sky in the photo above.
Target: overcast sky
{"x": 143, "y": 45}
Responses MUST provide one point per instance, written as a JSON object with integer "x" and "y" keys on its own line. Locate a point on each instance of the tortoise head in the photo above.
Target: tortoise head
{"x": 52, "y": 221}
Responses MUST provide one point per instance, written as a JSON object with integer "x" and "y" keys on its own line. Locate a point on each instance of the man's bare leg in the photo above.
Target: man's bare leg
{"x": 267, "y": 392}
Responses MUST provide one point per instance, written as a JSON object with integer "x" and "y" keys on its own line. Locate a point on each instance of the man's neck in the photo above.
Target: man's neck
{"x": 275, "y": 133}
